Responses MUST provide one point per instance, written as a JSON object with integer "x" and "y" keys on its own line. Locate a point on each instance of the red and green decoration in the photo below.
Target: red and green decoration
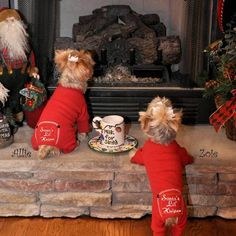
{"x": 224, "y": 113}
{"x": 34, "y": 95}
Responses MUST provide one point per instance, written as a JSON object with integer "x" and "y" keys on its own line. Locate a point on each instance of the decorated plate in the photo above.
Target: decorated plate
{"x": 130, "y": 143}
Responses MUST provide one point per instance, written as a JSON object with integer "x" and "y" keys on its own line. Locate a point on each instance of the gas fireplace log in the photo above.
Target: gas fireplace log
{"x": 113, "y": 10}
{"x": 91, "y": 43}
{"x": 170, "y": 48}
{"x": 145, "y": 49}
{"x": 159, "y": 29}
{"x": 129, "y": 28}
{"x": 116, "y": 30}
{"x": 83, "y": 30}
{"x": 96, "y": 25}
{"x": 150, "y": 19}
{"x": 116, "y": 23}
{"x": 109, "y": 34}
{"x": 144, "y": 32}
{"x": 85, "y": 19}
{"x": 142, "y": 29}
{"x": 113, "y": 50}
{"x": 130, "y": 18}
{"x": 100, "y": 23}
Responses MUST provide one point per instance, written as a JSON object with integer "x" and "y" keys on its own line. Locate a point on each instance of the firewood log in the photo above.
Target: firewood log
{"x": 113, "y": 10}
{"x": 170, "y": 48}
{"x": 150, "y": 19}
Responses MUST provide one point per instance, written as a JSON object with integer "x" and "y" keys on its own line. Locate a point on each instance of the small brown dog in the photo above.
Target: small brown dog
{"x": 164, "y": 160}
{"x": 66, "y": 111}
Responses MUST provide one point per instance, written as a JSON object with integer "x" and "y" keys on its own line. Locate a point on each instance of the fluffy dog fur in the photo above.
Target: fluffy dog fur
{"x": 75, "y": 67}
{"x": 74, "y": 74}
{"x": 160, "y": 122}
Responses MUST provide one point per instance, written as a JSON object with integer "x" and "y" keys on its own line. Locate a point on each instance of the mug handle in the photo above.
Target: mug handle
{"x": 96, "y": 122}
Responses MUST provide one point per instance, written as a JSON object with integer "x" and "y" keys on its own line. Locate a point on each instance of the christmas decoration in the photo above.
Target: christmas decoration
{"x": 6, "y": 136}
{"x": 222, "y": 83}
{"x": 17, "y": 63}
{"x": 224, "y": 113}
{"x": 34, "y": 94}
{"x": 222, "y": 60}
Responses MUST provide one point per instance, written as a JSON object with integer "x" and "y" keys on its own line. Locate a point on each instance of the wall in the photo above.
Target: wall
{"x": 3, "y": 3}
{"x": 171, "y": 12}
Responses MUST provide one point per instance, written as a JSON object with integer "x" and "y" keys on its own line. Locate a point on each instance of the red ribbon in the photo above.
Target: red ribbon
{"x": 224, "y": 113}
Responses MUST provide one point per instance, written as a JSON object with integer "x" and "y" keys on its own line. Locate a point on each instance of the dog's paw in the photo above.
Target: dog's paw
{"x": 55, "y": 152}
{"x": 47, "y": 151}
{"x": 172, "y": 221}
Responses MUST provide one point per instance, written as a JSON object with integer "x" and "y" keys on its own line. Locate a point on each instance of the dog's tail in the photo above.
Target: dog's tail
{"x": 45, "y": 150}
{"x": 169, "y": 223}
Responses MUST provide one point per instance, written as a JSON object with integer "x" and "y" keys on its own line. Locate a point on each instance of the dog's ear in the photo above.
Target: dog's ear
{"x": 144, "y": 121}
{"x": 176, "y": 121}
{"x": 61, "y": 57}
{"x": 87, "y": 57}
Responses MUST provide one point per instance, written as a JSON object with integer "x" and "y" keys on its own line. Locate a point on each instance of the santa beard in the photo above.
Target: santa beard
{"x": 14, "y": 37}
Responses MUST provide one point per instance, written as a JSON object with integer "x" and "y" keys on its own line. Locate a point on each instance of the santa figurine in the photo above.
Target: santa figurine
{"x": 17, "y": 63}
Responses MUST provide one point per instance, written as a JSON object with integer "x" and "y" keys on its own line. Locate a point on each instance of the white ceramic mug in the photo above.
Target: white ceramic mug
{"x": 111, "y": 129}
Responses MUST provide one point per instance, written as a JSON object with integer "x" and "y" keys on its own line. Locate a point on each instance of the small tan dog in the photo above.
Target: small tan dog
{"x": 164, "y": 160}
{"x": 66, "y": 111}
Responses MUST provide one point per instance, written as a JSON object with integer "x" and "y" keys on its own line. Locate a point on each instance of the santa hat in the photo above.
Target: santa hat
{"x": 5, "y": 13}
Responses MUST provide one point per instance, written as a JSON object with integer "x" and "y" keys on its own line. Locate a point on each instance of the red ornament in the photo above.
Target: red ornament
{"x": 30, "y": 103}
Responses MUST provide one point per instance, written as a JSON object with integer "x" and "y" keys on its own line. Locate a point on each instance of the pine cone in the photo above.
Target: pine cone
{"x": 218, "y": 101}
{"x": 211, "y": 84}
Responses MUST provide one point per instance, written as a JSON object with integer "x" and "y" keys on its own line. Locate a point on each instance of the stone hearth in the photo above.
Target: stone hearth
{"x": 86, "y": 182}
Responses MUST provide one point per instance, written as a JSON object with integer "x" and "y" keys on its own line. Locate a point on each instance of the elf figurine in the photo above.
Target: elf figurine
{"x": 17, "y": 62}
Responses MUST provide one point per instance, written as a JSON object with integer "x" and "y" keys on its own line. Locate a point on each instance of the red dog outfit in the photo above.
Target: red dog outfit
{"x": 164, "y": 165}
{"x": 56, "y": 125}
